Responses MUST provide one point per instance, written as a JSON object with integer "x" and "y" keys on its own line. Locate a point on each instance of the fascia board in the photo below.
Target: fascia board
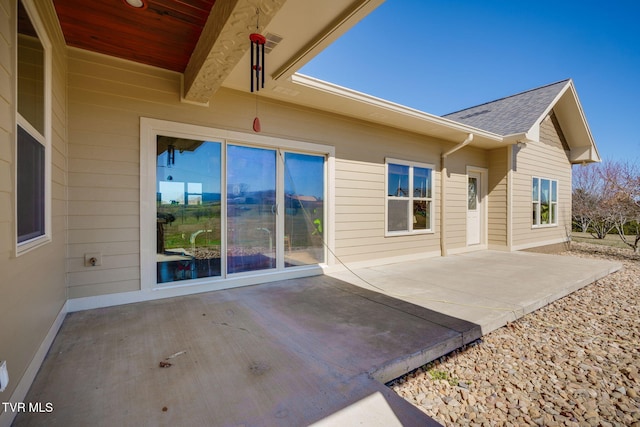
{"x": 334, "y": 31}
{"x": 583, "y": 118}
{"x": 388, "y": 106}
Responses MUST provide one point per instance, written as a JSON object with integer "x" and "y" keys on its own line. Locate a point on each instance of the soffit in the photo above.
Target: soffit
{"x": 317, "y": 94}
{"x": 205, "y": 39}
{"x": 163, "y": 34}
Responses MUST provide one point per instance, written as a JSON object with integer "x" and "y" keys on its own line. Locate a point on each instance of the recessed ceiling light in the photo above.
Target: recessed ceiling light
{"x": 138, "y": 4}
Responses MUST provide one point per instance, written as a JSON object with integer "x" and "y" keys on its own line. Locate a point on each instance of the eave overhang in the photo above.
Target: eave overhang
{"x": 568, "y": 110}
{"x": 318, "y": 94}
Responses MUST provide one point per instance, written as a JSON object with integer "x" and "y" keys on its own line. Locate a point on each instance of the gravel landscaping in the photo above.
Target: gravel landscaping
{"x": 575, "y": 362}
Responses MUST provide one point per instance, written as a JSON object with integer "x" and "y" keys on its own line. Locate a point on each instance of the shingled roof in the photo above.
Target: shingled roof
{"x": 513, "y": 114}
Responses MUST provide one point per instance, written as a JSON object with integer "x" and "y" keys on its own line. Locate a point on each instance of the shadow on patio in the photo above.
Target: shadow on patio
{"x": 295, "y": 352}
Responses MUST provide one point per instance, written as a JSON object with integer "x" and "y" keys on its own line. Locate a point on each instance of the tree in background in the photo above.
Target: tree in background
{"x": 627, "y": 202}
{"x": 606, "y": 197}
{"x": 592, "y": 207}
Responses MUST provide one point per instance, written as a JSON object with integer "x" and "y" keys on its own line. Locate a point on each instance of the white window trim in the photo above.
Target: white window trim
{"x": 551, "y": 181}
{"x": 44, "y": 139}
{"x": 431, "y": 199}
{"x": 149, "y": 129}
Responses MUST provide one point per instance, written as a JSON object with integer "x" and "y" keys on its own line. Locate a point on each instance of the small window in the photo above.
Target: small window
{"x": 31, "y": 130}
{"x": 545, "y": 202}
{"x": 30, "y": 182}
{"x": 409, "y": 202}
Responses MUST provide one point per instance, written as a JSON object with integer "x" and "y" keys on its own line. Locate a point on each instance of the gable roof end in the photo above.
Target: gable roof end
{"x": 518, "y": 117}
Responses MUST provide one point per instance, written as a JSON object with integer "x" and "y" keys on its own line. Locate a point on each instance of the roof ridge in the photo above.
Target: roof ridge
{"x": 507, "y": 97}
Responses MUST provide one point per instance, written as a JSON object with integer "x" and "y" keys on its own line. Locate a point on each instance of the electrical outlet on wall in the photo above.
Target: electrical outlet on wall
{"x": 4, "y": 375}
{"x": 93, "y": 259}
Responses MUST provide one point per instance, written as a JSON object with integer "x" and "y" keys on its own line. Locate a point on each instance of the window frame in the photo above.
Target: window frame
{"x": 410, "y": 199}
{"x": 150, "y": 129}
{"x": 536, "y": 203}
{"x": 43, "y": 138}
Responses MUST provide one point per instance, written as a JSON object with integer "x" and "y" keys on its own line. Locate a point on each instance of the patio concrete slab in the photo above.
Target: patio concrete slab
{"x": 312, "y": 351}
{"x": 487, "y": 288}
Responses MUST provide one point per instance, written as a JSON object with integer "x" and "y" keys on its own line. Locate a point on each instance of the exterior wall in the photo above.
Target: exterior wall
{"x": 32, "y": 285}
{"x": 498, "y": 187}
{"x": 360, "y": 194}
{"x": 456, "y": 198}
{"x": 545, "y": 159}
{"x": 107, "y": 97}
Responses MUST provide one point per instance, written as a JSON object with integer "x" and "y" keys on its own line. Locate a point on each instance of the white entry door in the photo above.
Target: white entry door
{"x": 474, "y": 209}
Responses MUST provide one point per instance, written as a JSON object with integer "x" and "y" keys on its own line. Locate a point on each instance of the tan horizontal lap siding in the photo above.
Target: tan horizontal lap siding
{"x": 360, "y": 212}
{"x": 104, "y": 168}
{"x": 456, "y": 188}
{"x": 107, "y": 99}
{"x": 497, "y": 209}
{"x": 32, "y": 285}
{"x": 544, "y": 159}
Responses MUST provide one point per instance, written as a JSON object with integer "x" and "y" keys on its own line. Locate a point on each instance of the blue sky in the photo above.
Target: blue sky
{"x": 443, "y": 56}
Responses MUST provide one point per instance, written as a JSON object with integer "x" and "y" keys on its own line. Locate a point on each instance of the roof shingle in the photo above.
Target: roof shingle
{"x": 511, "y": 115}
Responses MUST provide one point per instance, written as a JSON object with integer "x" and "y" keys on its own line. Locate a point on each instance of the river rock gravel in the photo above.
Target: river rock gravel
{"x": 575, "y": 362}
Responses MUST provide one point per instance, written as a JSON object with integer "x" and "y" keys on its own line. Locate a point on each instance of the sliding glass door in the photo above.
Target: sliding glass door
{"x": 251, "y": 209}
{"x": 304, "y": 209}
{"x": 226, "y": 208}
{"x": 188, "y": 215}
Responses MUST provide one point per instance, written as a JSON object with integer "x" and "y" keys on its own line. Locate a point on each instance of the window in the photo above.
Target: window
{"x": 229, "y": 206}
{"x": 545, "y": 202}
{"x": 32, "y": 153}
{"x": 409, "y": 202}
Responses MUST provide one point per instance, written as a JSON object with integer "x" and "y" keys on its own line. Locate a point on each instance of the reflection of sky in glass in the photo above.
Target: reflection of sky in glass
{"x": 250, "y": 169}
{"x": 171, "y": 191}
{"x": 198, "y": 167}
{"x": 421, "y": 182}
{"x": 304, "y": 175}
{"x": 398, "y": 183}
{"x": 535, "y": 189}
{"x": 544, "y": 191}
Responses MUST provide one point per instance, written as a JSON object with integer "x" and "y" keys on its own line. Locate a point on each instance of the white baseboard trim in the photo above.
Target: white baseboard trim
{"x": 335, "y": 268}
{"x": 465, "y": 249}
{"x": 538, "y": 244}
{"x": 109, "y": 300}
{"x": 20, "y": 392}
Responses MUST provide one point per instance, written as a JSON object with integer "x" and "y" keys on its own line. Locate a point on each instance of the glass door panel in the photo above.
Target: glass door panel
{"x": 304, "y": 209}
{"x": 251, "y": 209}
{"x": 187, "y": 209}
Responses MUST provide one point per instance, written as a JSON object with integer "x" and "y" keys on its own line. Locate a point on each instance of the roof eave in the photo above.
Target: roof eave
{"x": 370, "y": 108}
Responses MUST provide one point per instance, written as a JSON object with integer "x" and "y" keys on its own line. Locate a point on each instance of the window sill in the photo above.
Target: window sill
{"x": 536, "y": 227}
{"x": 408, "y": 233}
{"x": 29, "y": 245}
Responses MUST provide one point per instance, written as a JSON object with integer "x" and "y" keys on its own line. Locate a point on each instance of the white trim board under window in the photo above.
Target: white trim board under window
{"x": 544, "y": 197}
{"x": 408, "y": 197}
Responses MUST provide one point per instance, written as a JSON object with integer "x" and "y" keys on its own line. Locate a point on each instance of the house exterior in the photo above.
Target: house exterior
{"x": 122, "y": 181}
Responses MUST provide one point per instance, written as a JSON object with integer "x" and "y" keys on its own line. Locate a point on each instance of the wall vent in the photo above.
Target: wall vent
{"x": 272, "y": 41}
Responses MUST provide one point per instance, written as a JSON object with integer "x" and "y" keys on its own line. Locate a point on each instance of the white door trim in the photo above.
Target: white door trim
{"x": 482, "y": 204}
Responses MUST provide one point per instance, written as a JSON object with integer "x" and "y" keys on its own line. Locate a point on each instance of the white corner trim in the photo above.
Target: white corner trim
{"x": 20, "y": 392}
